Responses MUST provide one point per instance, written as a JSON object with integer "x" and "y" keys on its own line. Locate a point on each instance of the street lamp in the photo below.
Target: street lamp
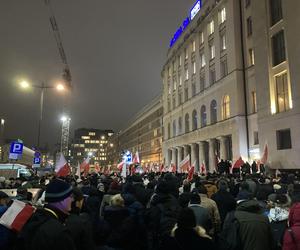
{"x": 25, "y": 85}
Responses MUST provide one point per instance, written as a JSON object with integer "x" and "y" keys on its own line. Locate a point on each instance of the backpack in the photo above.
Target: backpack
{"x": 229, "y": 238}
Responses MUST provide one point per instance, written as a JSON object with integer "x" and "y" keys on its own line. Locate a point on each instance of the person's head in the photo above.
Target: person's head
{"x": 4, "y": 199}
{"x": 77, "y": 198}
{"x": 59, "y": 195}
{"x": 117, "y": 201}
{"x": 186, "y": 187}
{"x": 195, "y": 198}
{"x": 202, "y": 189}
{"x": 244, "y": 186}
{"x": 222, "y": 185}
{"x": 186, "y": 219}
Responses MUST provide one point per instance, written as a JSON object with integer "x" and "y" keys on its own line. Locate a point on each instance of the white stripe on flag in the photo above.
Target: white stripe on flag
{"x": 10, "y": 215}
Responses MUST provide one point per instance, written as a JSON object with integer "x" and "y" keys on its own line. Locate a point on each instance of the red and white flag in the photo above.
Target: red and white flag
{"x": 97, "y": 168}
{"x": 161, "y": 168}
{"x": 136, "y": 158}
{"x": 264, "y": 157}
{"x": 239, "y": 163}
{"x": 173, "y": 168}
{"x": 120, "y": 166}
{"x": 203, "y": 168}
{"x": 184, "y": 165}
{"x": 191, "y": 173}
{"x": 85, "y": 166}
{"x": 17, "y": 215}
{"x": 62, "y": 167}
{"x": 78, "y": 170}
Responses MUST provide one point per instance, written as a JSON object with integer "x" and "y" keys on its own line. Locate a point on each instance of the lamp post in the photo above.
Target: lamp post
{"x": 25, "y": 85}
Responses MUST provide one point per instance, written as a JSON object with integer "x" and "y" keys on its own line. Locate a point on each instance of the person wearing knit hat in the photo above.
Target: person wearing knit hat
{"x": 46, "y": 228}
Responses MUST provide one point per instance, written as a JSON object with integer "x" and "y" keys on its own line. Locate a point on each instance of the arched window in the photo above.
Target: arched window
{"x": 187, "y": 123}
{"x": 179, "y": 126}
{"x": 213, "y": 112}
{"x": 226, "y": 107}
{"x": 195, "y": 120}
{"x": 169, "y": 131}
{"x": 174, "y": 128}
{"x": 203, "y": 116}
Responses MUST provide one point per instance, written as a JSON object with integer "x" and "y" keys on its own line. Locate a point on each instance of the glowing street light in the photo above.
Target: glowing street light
{"x": 24, "y": 85}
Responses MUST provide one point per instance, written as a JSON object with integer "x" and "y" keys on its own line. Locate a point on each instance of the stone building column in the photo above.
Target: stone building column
{"x": 179, "y": 156}
{"x": 212, "y": 155}
{"x": 223, "y": 148}
{"x": 168, "y": 158}
{"x": 202, "y": 153}
{"x": 174, "y": 156}
{"x": 194, "y": 156}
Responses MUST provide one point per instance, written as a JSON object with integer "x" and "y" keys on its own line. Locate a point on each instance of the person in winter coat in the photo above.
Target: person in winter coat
{"x": 45, "y": 229}
{"x": 291, "y": 239}
{"x": 278, "y": 217}
{"x": 254, "y": 228}
{"x": 225, "y": 201}
{"x": 187, "y": 235}
{"x": 79, "y": 224}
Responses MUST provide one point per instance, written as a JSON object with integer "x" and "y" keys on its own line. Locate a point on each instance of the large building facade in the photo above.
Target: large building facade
{"x": 143, "y": 134}
{"x": 90, "y": 143}
{"x": 230, "y": 84}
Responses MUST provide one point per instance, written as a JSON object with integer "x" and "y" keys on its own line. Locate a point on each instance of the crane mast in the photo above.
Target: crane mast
{"x": 64, "y": 141}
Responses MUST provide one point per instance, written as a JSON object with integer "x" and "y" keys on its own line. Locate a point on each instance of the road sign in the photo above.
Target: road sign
{"x": 37, "y": 161}
{"x": 16, "y": 150}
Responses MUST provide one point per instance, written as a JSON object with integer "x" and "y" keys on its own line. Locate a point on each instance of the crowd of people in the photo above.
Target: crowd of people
{"x": 156, "y": 211}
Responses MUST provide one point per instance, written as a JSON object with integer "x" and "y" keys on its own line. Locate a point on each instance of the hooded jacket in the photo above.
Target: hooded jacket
{"x": 291, "y": 239}
{"x": 254, "y": 228}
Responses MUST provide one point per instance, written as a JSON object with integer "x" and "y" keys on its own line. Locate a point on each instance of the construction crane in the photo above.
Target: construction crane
{"x": 66, "y": 77}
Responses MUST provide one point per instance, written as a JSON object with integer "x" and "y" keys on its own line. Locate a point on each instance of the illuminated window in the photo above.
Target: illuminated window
{"x": 194, "y": 46}
{"x": 202, "y": 59}
{"x": 223, "y": 15}
{"x": 212, "y": 51}
{"x": 180, "y": 80}
{"x": 186, "y": 74}
{"x": 169, "y": 89}
{"x": 254, "y": 105}
{"x": 201, "y": 38}
{"x": 186, "y": 54}
{"x": 85, "y": 137}
{"x": 226, "y": 107}
{"x": 251, "y": 57}
{"x": 223, "y": 42}
{"x": 169, "y": 71}
{"x": 92, "y": 133}
{"x": 102, "y": 137}
{"x": 87, "y": 141}
{"x": 282, "y": 93}
{"x": 211, "y": 27}
{"x": 78, "y": 154}
{"x": 194, "y": 67}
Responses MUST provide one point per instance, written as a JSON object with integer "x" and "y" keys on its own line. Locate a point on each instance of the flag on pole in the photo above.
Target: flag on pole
{"x": 239, "y": 163}
{"x": 161, "y": 168}
{"x": 62, "y": 167}
{"x": 184, "y": 165}
{"x": 203, "y": 168}
{"x": 124, "y": 170}
{"x": 78, "y": 170}
{"x": 191, "y": 173}
{"x": 85, "y": 166}
{"x": 136, "y": 158}
{"x": 97, "y": 167}
{"x": 16, "y": 215}
{"x": 264, "y": 157}
{"x": 120, "y": 166}
{"x": 173, "y": 168}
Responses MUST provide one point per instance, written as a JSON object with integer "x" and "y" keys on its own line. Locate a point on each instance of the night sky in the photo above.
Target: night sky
{"x": 115, "y": 49}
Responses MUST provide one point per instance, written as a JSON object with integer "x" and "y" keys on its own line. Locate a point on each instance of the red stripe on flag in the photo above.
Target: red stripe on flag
{"x": 22, "y": 217}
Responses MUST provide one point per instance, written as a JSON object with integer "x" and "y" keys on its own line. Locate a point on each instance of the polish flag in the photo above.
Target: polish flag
{"x": 203, "y": 168}
{"x": 238, "y": 163}
{"x": 173, "y": 168}
{"x": 191, "y": 173}
{"x": 184, "y": 165}
{"x": 161, "y": 168}
{"x": 85, "y": 166}
{"x": 97, "y": 168}
{"x": 62, "y": 167}
{"x": 120, "y": 166}
{"x": 17, "y": 215}
{"x": 136, "y": 158}
{"x": 264, "y": 158}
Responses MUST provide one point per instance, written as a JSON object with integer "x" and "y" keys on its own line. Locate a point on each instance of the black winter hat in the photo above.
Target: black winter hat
{"x": 57, "y": 190}
{"x": 186, "y": 218}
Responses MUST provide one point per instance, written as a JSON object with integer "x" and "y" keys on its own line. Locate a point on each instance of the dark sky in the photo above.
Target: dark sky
{"x": 115, "y": 50}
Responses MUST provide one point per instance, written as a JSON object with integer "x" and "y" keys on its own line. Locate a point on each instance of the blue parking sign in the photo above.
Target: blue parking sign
{"x": 16, "y": 150}
{"x": 37, "y": 161}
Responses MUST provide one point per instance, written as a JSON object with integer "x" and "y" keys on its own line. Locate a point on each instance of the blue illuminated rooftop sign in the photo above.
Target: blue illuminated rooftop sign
{"x": 194, "y": 11}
